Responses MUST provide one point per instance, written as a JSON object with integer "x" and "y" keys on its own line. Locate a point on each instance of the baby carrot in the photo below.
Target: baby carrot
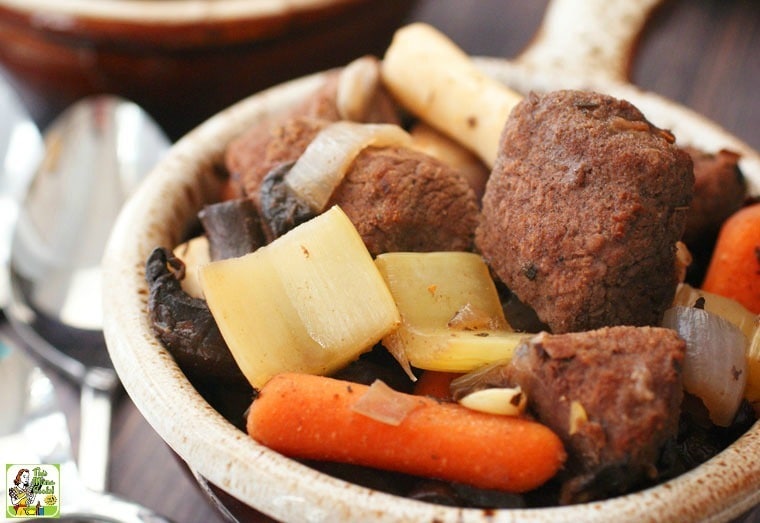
{"x": 311, "y": 417}
{"x": 435, "y": 384}
{"x": 734, "y": 270}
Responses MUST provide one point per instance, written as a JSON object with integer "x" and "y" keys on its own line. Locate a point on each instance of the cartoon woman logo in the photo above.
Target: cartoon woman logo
{"x": 22, "y": 494}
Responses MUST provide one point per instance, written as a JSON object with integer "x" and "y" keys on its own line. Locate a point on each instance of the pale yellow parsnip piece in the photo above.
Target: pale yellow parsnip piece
{"x": 430, "y": 289}
{"x": 259, "y": 325}
{"x": 453, "y": 352}
{"x": 439, "y": 83}
{"x": 311, "y": 301}
{"x": 327, "y": 270}
{"x": 193, "y": 253}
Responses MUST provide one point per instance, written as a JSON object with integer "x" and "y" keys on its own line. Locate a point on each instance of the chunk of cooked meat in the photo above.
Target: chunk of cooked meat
{"x": 613, "y": 395}
{"x": 404, "y": 200}
{"x": 282, "y": 138}
{"x": 252, "y": 156}
{"x": 398, "y": 199}
{"x": 583, "y": 209}
{"x": 719, "y": 190}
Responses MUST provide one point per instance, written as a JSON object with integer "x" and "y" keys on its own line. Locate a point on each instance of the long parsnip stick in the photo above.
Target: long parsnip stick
{"x": 439, "y": 83}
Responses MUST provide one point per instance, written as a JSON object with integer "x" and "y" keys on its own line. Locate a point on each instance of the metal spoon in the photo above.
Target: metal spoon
{"x": 96, "y": 153}
{"x": 20, "y": 153}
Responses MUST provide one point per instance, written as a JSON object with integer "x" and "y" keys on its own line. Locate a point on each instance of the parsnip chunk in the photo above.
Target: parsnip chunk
{"x": 193, "y": 253}
{"x": 431, "y": 291}
{"x": 311, "y": 301}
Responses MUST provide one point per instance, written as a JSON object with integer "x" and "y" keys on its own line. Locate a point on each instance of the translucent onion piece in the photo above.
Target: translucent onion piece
{"x": 727, "y": 308}
{"x": 501, "y": 401}
{"x": 383, "y": 404}
{"x": 471, "y": 317}
{"x": 322, "y": 166}
{"x": 715, "y": 368}
{"x": 396, "y": 343}
{"x": 487, "y": 376}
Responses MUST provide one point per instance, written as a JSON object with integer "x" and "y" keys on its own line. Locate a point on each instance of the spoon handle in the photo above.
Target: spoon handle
{"x": 95, "y": 429}
{"x": 108, "y": 507}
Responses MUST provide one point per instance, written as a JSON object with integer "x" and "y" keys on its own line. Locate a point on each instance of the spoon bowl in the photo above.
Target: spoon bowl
{"x": 20, "y": 152}
{"x": 96, "y": 153}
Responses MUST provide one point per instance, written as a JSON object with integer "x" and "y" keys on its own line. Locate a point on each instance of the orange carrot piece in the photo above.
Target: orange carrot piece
{"x": 311, "y": 417}
{"x": 435, "y": 384}
{"x": 734, "y": 270}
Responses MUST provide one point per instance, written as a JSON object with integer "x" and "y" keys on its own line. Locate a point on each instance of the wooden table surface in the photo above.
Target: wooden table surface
{"x": 704, "y": 54}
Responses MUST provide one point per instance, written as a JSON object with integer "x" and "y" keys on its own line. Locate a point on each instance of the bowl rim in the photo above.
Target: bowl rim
{"x": 170, "y": 12}
{"x": 288, "y": 490}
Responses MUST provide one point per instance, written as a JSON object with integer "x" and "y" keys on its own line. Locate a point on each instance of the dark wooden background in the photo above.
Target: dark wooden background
{"x": 704, "y": 54}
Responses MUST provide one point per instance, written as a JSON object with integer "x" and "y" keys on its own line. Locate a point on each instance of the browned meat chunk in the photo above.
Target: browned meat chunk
{"x": 583, "y": 209}
{"x": 403, "y": 200}
{"x": 283, "y": 138}
{"x": 719, "y": 191}
{"x": 613, "y": 395}
{"x": 253, "y": 155}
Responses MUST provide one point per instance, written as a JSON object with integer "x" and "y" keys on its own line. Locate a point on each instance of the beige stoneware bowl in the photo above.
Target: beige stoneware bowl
{"x": 165, "y": 206}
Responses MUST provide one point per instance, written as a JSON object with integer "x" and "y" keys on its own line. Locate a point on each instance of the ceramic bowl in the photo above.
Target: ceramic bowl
{"x": 183, "y": 60}
{"x": 166, "y": 206}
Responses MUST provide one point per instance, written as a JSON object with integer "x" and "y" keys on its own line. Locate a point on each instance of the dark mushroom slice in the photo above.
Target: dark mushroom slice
{"x": 281, "y": 209}
{"x": 233, "y": 228}
{"x": 184, "y": 324}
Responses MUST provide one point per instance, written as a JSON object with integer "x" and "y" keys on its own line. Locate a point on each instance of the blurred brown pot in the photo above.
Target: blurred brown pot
{"x": 182, "y": 60}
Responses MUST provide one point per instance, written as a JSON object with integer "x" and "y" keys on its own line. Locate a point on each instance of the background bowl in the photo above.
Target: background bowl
{"x": 183, "y": 60}
{"x": 161, "y": 212}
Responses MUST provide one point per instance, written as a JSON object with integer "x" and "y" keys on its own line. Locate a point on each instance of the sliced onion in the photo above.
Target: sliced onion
{"x": 383, "y": 404}
{"x": 322, "y": 166}
{"x": 470, "y": 317}
{"x": 396, "y": 345}
{"x": 727, "y": 308}
{"x": 715, "y": 367}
